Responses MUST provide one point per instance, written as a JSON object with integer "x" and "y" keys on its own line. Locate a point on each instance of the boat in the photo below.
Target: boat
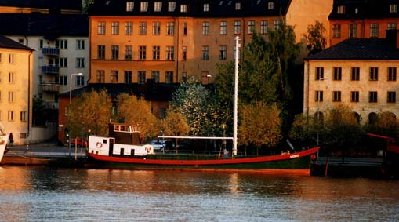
{"x": 3, "y": 144}
{"x": 122, "y": 147}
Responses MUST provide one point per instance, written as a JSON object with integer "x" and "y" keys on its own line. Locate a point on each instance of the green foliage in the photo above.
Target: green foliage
{"x": 91, "y": 111}
{"x": 175, "y": 124}
{"x": 386, "y": 124}
{"x": 260, "y": 125}
{"x": 315, "y": 39}
{"x": 137, "y": 112}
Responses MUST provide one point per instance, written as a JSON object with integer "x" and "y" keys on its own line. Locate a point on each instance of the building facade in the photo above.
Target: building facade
{"x": 358, "y": 73}
{"x": 16, "y": 70}
{"x": 362, "y": 19}
{"x": 132, "y": 41}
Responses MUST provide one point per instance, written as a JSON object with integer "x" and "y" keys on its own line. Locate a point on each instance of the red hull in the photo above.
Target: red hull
{"x": 163, "y": 162}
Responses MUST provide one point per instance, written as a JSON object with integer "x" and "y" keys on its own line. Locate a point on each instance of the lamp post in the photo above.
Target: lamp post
{"x": 235, "y": 141}
{"x": 70, "y": 101}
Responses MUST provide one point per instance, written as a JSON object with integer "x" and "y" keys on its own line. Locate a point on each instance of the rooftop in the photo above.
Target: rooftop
{"x": 44, "y": 4}
{"x": 364, "y": 9}
{"x": 6, "y": 43}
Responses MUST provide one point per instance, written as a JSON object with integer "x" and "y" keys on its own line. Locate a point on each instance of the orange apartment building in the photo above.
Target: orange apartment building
{"x": 132, "y": 41}
{"x": 362, "y": 19}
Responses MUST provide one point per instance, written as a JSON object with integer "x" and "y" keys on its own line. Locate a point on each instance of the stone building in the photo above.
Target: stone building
{"x": 16, "y": 66}
{"x": 360, "y": 73}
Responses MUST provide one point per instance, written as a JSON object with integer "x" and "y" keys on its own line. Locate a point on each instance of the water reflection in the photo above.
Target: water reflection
{"x": 45, "y": 194}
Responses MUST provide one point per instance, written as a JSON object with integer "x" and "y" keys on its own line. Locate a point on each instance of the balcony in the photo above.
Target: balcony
{"x": 52, "y": 70}
{"x": 51, "y": 51}
{"x": 49, "y": 88}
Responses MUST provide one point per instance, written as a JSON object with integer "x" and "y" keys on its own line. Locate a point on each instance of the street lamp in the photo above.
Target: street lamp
{"x": 70, "y": 101}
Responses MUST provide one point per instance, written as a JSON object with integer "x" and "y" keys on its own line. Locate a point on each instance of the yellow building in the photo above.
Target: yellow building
{"x": 359, "y": 73}
{"x": 15, "y": 89}
{"x": 167, "y": 41}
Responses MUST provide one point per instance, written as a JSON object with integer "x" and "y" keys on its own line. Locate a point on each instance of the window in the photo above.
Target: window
{"x": 392, "y": 74}
{"x": 184, "y": 49}
{"x": 157, "y": 6}
{"x": 276, "y": 24}
{"x": 170, "y": 52}
{"x": 171, "y": 6}
{"x": 128, "y": 76}
{"x": 80, "y": 81}
{"x": 319, "y": 73}
{"x": 237, "y": 27}
{"x": 1, "y": 55}
{"x": 100, "y": 76}
{"x": 391, "y": 26}
{"x": 11, "y": 58}
{"x": 40, "y": 45}
{"x": 270, "y": 5}
{"x": 156, "y": 28}
{"x": 355, "y": 73}
{"x": 101, "y": 28}
{"x": 352, "y": 30}
{"x": 114, "y": 52}
{"x": 393, "y": 8}
{"x": 185, "y": 28}
{"x": 251, "y": 27}
{"x": 155, "y": 76}
{"x": 143, "y": 6}
{"x": 115, "y": 28}
{"x": 341, "y": 9}
{"x": 223, "y": 28}
{"x": 336, "y": 96}
{"x": 205, "y": 52}
{"x": 61, "y": 44}
{"x": 63, "y": 80}
{"x": 80, "y": 44}
{"x": 183, "y": 8}
{"x": 11, "y": 97}
{"x": 373, "y": 97}
{"x": 354, "y": 96}
{"x": 337, "y": 73}
{"x": 238, "y": 6}
{"x": 11, "y": 77}
{"x": 223, "y": 52}
{"x": 142, "y": 52}
{"x": 141, "y": 77}
{"x": 170, "y": 28}
{"x": 10, "y": 116}
{"x": 129, "y": 6}
{"x": 374, "y": 29}
{"x": 206, "y": 7}
{"x": 128, "y": 28}
{"x": 169, "y": 77}
{"x": 391, "y": 97}
{"x": 80, "y": 62}
{"x": 373, "y": 74}
{"x": 128, "y": 52}
{"x": 143, "y": 28}
{"x": 205, "y": 28}
{"x": 114, "y": 76}
{"x": 263, "y": 27}
{"x": 318, "y": 96}
{"x": 62, "y": 62}
{"x": 156, "y": 52}
{"x": 336, "y": 30}
{"x": 100, "y": 51}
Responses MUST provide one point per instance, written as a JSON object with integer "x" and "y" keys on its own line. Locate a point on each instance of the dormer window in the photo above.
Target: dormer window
{"x": 157, "y": 6}
{"x": 270, "y": 5}
{"x": 172, "y": 6}
{"x": 206, "y": 7}
{"x": 183, "y": 8}
{"x": 238, "y": 5}
{"x": 393, "y": 8}
{"x": 143, "y": 6}
{"x": 356, "y": 10}
{"x": 341, "y": 9}
{"x": 129, "y": 6}
{"x": 221, "y": 3}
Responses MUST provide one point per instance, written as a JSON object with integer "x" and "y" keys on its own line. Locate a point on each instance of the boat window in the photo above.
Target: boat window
{"x": 122, "y": 151}
{"x": 132, "y": 152}
{"x": 104, "y": 141}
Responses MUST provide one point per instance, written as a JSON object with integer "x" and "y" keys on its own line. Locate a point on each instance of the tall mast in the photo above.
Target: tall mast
{"x": 235, "y": 136}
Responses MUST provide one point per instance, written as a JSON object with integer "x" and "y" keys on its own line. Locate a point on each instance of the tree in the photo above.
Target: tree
{"x": 386, "y": 124}
{"x": 137, "y": 112}
{"x": 91, "y": 111}
{"x": 175, "y": 124}
{"x": 314, "y": 38}
{"x": 260, "y": 125}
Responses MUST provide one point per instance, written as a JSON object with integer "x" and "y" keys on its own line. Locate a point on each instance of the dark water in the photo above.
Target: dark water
{"x": 43, "y": 194}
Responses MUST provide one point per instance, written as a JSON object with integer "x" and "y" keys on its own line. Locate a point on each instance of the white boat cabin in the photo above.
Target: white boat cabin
{"x": 106, "y": 146}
